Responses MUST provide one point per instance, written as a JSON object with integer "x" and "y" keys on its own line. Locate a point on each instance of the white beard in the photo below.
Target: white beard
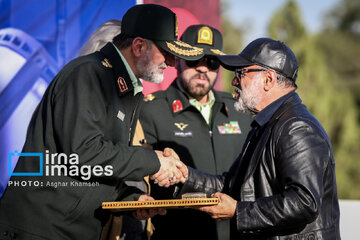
{"x": 249, "y": 97}
{"x": 149, "y": 71}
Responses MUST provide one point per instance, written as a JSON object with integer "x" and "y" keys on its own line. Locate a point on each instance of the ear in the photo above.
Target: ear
{"x": 270, "y": 80}
{"x": 139, "y": 46}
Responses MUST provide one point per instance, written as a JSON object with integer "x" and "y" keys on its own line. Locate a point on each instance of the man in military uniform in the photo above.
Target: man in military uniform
{"x": 201, "y": 125}
{"x": 84, "y": 127}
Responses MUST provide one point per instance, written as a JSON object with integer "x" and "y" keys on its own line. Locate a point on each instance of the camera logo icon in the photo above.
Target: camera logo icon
{"x": 19, "y": 154}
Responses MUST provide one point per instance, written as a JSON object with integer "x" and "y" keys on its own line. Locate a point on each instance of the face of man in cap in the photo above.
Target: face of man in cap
{"x": 197, "y": 80}
{"x": 255, "y": 88}
{"x": 150, "y": 61}
{"x": 198, "y": 76}
{"x": 264, "y": 71}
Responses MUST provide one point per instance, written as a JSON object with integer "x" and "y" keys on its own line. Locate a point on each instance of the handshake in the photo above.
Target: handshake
{"x": 172, "y": 170}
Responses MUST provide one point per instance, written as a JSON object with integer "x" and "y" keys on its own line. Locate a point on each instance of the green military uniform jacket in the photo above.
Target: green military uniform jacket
{"x": 88, "y": 109}
{"x": 169, "y": 120}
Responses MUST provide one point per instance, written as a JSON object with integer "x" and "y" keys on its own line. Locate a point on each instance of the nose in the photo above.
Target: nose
{"x": 202, "y": 67}
{"x": 235, "y": 82}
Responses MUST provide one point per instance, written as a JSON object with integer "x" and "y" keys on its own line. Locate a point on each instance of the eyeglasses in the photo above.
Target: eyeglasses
{"x": 239, "y": 73}
{"x": 212, "y": 63}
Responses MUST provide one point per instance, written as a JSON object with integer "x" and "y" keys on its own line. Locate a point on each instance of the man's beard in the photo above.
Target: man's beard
{"x": 149, "y": 71}
{"x": 249, "y": 98}
{"x": 195, "y": 89}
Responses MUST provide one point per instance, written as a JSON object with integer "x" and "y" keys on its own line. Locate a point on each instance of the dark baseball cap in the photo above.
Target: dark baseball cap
{"x": 205, "y": 37}
{"x": 265, "y": 52}
{"x": 159, "y": 24}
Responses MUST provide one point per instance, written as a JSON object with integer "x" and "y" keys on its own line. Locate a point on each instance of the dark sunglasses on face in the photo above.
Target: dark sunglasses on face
{"x": 239, "y": 73}
{"x": 211, "y": 62}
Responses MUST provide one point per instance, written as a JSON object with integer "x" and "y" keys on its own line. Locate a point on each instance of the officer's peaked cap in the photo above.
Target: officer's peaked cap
{"x": 159, "y": 24}
{"x": 205, "y": 37}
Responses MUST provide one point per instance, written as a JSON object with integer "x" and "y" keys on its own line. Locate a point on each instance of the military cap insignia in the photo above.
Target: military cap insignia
{"x": 205, "y": 35}
{"x": 106, "y": 63}
{"x": 122, "y": 84}
{"x": 184, "y": 44}
{"x": 217, "y": 51}
{"x": 181, "y": 126}
{"x": 177, "y": 106}
{"x": 230, "y": 128}
{"x": 194, "y": 51}
{"x": 149, "y": 98}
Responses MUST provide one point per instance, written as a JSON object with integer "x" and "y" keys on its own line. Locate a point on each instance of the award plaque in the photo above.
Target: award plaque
{"x": 187, "y": 200}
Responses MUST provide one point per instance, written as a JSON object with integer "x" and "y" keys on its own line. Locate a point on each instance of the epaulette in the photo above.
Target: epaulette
{"x": 156, "y": 95}
{"x": 149, "y": 97}
{"x": 106, "y": 63}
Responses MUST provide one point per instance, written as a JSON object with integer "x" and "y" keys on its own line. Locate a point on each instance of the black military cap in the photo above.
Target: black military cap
{"x": 205, "y": 37}
{"x": 159, "y": 24}
{"x": 265, "y": 52}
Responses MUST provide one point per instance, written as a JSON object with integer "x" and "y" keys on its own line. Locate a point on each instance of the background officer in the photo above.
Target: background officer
{"x": 201, "y": 125}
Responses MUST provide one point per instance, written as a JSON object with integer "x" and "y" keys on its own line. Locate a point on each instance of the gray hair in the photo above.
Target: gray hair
{"x": 102, "y": 35}
{"x": 286, "y": 82}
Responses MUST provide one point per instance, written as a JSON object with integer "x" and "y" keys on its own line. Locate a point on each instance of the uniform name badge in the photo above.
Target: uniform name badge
{"x": 230, "y": 128}
{"x": 182, "y": 133}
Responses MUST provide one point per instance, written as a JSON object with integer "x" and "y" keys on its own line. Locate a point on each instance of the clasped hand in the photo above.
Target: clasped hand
{"x": 172, "y": 170}
{"x": 226, "y": 208}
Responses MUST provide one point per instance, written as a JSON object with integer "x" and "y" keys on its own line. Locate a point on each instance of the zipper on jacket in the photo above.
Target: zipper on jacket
{"x": 133, "y": 116}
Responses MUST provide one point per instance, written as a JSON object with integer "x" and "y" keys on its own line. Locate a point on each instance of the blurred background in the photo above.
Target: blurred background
{"x": 38, "y": 37}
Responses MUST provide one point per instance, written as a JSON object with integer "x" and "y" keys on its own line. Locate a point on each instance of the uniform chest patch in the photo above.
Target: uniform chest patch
{"x": 181, "y": 126}
{"x": 182, "y": 133}
{"x": 120, "y": 115}
{"x": 230, "y": 128}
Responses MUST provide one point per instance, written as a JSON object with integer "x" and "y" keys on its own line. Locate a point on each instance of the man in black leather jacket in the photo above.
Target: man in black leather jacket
{"x": 282, "y": 186}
